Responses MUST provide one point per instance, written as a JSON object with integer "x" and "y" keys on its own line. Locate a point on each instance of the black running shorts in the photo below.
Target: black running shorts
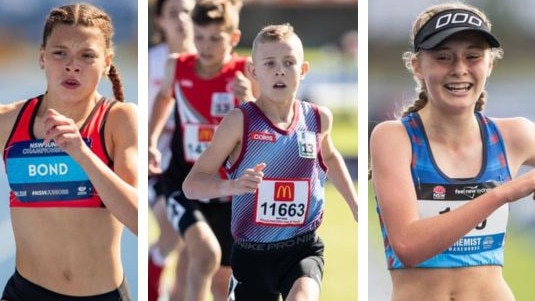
{"x": 19, "y": 288}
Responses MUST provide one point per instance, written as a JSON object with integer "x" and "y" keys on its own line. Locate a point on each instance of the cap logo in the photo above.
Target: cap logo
{"x": 443, "y": 24}
{"x": 458, "y": 18}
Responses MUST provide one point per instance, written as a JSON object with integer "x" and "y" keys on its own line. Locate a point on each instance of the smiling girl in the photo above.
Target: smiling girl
{"x": 443, "y": 196}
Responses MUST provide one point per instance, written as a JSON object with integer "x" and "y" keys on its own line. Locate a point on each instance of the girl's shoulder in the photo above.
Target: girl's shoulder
{"x": 515, "y": 127}
{"x": 390, "y": 134}
{"x": 388, "y": 128}
{"x": 8, "y": 117}
{"x": 518, "y": 134}
{"x": 10, "y": 111}
{"x": 121, "y": 112}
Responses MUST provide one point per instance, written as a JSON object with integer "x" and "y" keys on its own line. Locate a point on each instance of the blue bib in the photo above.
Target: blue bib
{"x": 38, "y": 172}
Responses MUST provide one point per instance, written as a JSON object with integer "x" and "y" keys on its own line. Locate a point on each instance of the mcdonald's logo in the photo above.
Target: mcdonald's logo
{"x": 205, "y": 133}
{"x": 284, "y": 191}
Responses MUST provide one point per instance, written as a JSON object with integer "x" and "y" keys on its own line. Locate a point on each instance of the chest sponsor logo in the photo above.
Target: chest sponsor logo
{"x": 439, "y": 192}
{"x": 453, "y": 192}
{"x": 471, "y": 191}
{"x": 259, "y": 136}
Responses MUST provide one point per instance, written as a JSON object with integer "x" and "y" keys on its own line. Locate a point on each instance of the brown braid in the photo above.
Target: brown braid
{"x": 116, "y": 82}
{"x": 417, "y": 105}
{"x": 80, "y": 15}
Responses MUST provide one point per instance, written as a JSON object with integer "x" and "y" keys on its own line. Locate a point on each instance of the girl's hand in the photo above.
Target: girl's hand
{"x": 519, "y": 187}
{"x": 63, "y": 131}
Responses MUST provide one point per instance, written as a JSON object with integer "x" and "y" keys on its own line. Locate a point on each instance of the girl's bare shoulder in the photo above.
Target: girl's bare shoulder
{"x": 9, "y": 112}
{"x": 388, "y": 128}
{"x": 516, "y": 128}
{"x": 8, "y": 116}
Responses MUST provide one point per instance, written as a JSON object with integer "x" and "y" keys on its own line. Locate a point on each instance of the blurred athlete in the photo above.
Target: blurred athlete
{"x": 203, "y": 87}
{"x": 175, "y": 35}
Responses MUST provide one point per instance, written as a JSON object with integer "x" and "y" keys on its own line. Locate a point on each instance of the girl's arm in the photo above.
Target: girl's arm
{"x": 117, "y": 188}
{"x": 519, "y": 136}
{"x": 416, "y": 239}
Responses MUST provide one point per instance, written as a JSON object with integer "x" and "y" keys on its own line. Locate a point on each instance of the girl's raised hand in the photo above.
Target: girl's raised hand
{"x": 63, "y": 131}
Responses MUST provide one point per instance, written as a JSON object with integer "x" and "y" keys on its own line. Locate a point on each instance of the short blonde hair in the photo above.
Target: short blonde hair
{"x": 274, "y": 33}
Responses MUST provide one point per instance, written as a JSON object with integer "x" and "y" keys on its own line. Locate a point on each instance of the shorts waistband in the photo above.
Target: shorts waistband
{"x": 281, "y": 245}
{"x": 32, "y": 291}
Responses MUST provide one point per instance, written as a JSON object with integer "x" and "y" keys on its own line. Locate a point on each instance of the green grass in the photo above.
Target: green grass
{"x": 344, "y": 132}
{"x": 339, "y": 233}
{"x": 519, "y": 267}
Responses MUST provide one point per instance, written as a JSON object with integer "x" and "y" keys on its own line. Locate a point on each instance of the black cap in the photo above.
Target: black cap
{"x": 446, "y": 23}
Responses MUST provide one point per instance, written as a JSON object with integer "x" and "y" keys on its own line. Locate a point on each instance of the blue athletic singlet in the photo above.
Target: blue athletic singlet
{"x": 290, "y": 199}
{"x": 437, "y": 194}
{"x": 45, "y": 176}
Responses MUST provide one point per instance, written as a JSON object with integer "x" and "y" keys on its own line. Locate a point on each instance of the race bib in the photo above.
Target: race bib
{"x": 38, "y": 172}
{"x": 197, "y": 138}
{"x": 222, "y": 103}
{"x": 307, "y": 144}
{"x": 488, "y": 235}
{"x": 282, "y": 202}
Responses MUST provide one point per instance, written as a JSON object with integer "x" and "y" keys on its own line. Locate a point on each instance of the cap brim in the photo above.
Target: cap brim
{"x": 441, "y": 36}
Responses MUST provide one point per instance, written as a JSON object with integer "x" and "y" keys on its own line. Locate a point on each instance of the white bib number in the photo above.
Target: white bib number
{"x": 222, "y": 103}
{"x": 307, "y": 144}
{"x": 282, "y": 202}
{"x": 489, "y": 234}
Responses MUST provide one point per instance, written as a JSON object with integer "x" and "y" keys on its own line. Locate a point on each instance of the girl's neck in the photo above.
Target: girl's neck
{"x": 78, "y": 110}
{"x": 454, "y": 128}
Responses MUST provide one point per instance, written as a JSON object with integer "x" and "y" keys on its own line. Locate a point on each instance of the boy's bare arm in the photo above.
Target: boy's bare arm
{"x": 203, "y": 181}
{"x": 337, "y": 172}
